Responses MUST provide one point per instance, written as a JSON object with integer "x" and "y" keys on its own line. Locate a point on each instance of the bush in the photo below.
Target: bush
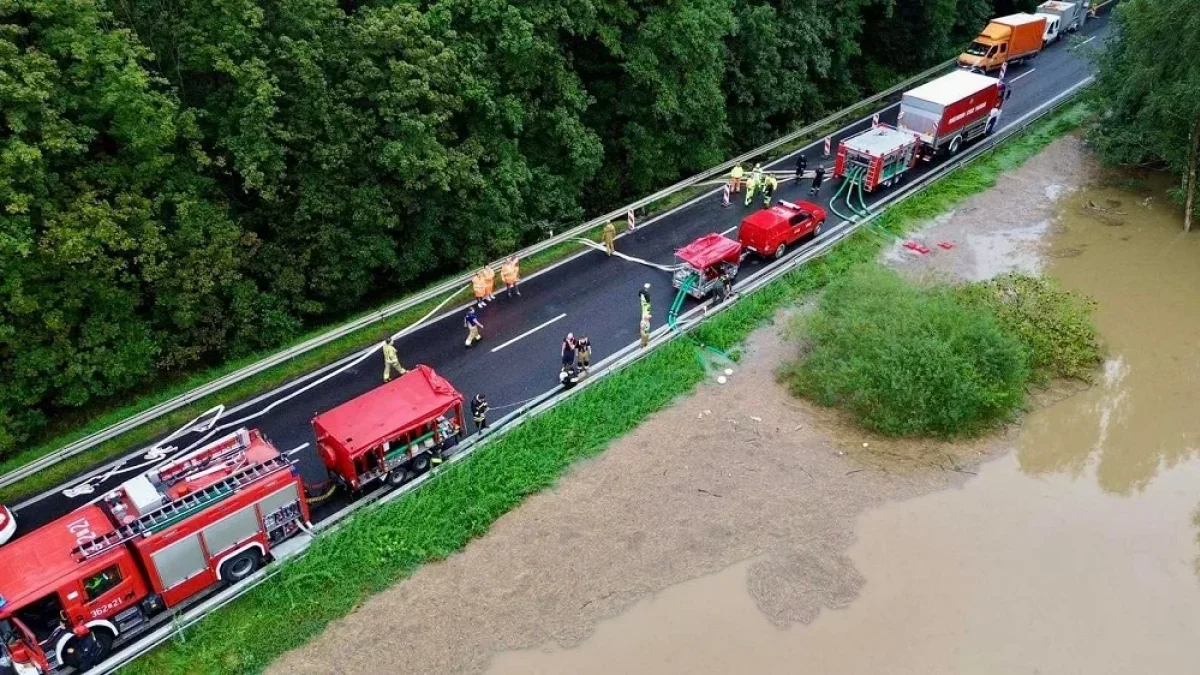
{"x": 908, "y": 359}
{"x": 1054, "y": 325}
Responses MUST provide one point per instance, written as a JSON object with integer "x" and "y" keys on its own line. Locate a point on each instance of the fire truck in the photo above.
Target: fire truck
{"x": 71, "y": 588}
{"x": 391, "y": 433}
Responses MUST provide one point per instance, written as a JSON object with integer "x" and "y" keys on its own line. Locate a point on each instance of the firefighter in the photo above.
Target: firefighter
{"x": 644, "y": 298}
{"x": 84, "y": 651}
{"x": 471, "y": 322}
{"x": 610, "y": 236}
{"x": 569, "y": 347}
{"x": 644, "y": 330}
{"x": 569, "y": 376}
{"x": 725, "y": 288}
{"x": 801, "y": 165}
{"x": 770, "y": 184}
{"x": 583, "y": 353}
{"x": 390, "y": 360}
{"x": 489, "y": 280}
{"x": 751, "y": 187}
{"x": 735, "y": 177}
{"x": 818, "y": 178}
{"x": 479, "y": 410}
{"x": 510, "y": 274}
{"x": 479, "y": 288}
{"x": 757, "y": 174}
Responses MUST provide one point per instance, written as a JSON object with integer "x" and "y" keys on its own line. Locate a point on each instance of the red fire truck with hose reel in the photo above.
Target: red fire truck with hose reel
{"x": 73, "y": 587}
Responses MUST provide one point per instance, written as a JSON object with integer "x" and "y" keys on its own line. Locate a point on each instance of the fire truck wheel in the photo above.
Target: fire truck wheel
{"x": 420, "y": 464}
{"x": 72, "y": 654}
{"x": 397, "y": 477}
{"x": 240, "y": 566}
{"x": 780, "y": 251}
{"x": 955, "y": 145}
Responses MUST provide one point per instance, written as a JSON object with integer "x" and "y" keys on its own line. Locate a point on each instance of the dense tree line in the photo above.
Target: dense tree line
{"x": 1148, "y": 90}
{"x": 189, "y": 180}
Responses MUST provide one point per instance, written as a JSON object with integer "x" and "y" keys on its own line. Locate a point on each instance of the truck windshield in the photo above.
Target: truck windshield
{"x": 978, "y": 49}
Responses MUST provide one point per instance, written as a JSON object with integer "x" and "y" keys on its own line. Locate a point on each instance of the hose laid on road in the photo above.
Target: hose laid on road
{"x": 670, "y": 269}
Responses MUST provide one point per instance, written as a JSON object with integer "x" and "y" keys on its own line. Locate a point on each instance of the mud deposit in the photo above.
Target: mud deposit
{"x": 744, "y": 531}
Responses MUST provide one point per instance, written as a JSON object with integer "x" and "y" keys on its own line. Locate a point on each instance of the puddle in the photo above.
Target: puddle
{"x": 1075, "y": 554}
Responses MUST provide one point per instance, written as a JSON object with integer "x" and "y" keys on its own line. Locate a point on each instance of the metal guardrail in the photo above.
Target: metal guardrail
{"x": 613, "y": 363}
{"x": 449, "y": 286}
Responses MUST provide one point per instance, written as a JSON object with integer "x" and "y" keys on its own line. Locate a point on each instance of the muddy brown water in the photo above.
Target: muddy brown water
{"x": 1075, "y": 554}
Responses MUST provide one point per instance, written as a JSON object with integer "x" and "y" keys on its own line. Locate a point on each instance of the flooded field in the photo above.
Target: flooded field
{"x": 1075, "y": 554}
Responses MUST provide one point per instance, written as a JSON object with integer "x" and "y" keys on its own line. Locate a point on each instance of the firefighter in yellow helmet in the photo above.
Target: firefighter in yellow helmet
{"x": 391, "y": 361}
{"x": 751, "y": 186}
{"x": 770, "y": 185}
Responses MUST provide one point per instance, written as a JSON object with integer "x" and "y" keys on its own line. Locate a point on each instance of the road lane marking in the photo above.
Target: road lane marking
{"x": 1087, "y": 41}
{"x": 1023, "y": 74}
{"x": 294, "y": 450}
{"x": 529, "y": 332}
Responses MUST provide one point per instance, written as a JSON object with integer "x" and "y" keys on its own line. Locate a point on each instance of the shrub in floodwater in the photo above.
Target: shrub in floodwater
{"x": 908, "y": 359}
{"x": 1054, "y": 325}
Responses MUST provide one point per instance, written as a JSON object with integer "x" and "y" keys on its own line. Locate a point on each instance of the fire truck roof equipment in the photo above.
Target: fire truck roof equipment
{"x": 879, "y": 141}
{"x": 952, "y": 87}
{"x": 710, "y": 250}
{"x": 35, "y": 564}
{"x": 420, "y": 396}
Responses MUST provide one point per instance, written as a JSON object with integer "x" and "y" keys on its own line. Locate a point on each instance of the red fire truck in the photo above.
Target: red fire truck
{"x": 392, "y": 432}
{"x": 69, "y": 589}
{"x": 952, "y": 110}
{"x": 878, "y": 156}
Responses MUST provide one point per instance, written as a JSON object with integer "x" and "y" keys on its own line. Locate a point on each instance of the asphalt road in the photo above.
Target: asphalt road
{"x": 518, "y": 359}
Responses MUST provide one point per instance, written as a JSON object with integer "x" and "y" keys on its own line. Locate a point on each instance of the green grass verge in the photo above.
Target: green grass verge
{"x": 81, "y": 427}
{"x": 376, "y": 548}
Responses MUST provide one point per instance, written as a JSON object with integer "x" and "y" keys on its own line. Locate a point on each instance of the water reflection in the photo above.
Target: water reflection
{"x": 1128, "y": 252}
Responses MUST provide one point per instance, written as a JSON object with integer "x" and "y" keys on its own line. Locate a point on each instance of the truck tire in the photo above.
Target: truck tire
{"x": 73, "y": 658}
{"x": 955, "y": 145}
{"x": 780, "y": 251}
{"x": 240, "y": 566}
{"x": 419, "y": 464}
{"x": 397, "y": 477}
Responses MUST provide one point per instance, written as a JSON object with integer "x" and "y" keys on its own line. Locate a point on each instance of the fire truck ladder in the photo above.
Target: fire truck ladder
{"x": 169, "y": 514}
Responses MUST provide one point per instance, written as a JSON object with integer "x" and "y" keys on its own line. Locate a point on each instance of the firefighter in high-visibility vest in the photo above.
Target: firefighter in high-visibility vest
{"x": 736, "y": 177}
{"x": 751, "y": 186}
{"x": 479, "y": 289}
{"x": 757, "y": 174}
{"x": 391, "y": 361}
{"x": 770, "y": 184}
{"x": 489, "y": 280}
{"x": 510, "y": 274}
{"x": 644, "y": 299}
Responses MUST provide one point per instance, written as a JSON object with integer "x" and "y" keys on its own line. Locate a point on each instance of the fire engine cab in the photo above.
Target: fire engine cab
{"x": 102, "y": 571}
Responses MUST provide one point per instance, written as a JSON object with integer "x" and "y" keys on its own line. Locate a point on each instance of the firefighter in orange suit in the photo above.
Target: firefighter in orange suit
{"x": 489, "y": 279}
{"x": 479, "y": 288}
{"x": 510, "y": 274}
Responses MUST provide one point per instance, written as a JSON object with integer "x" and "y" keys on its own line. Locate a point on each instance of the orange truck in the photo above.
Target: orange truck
{"x": 1007, "y": 39}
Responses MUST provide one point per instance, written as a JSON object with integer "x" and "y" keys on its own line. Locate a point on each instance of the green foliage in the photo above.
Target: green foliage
{"x": 906, "y": 359}
{"x": 1147, "y": 84}
{"x": 1054, "y": 325}
{"x": 188, "y": 183}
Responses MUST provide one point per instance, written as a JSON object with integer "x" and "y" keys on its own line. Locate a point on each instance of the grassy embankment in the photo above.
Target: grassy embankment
{"x": 381, "y": 546}
{"x": 273, "y": 377}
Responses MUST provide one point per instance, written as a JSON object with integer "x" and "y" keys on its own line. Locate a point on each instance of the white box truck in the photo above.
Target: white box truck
{"x": 1071, "y": 15}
